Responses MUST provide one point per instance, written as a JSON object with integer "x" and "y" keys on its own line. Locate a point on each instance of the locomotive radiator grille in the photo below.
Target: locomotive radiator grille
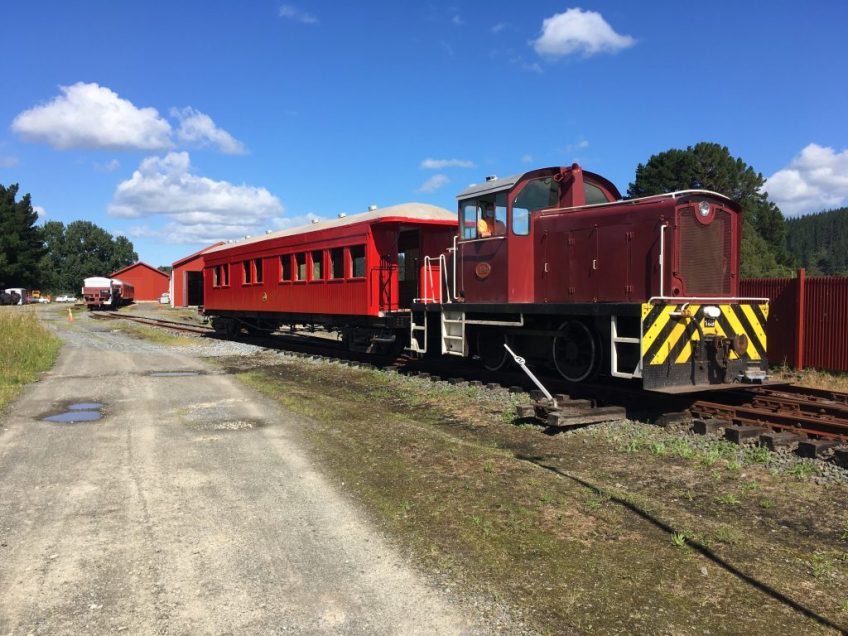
{"x": 668, "y": 338}
{"x": 704, "y": 256}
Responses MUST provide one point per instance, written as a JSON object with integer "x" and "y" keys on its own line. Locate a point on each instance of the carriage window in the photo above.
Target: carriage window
{"x": 593, "y": 194}
{"x": 245, "y": 266}
{"x": 286, "y": 267}
{"x": 337, "y": 263}
{"x": 357, "y": 261}
{"x": 300, "y": 259}
{"x": 225, "y": 271}
{"x": 257, "y": 265}
{"x": 316, "y": 264}
{"x": 216, "y": 276}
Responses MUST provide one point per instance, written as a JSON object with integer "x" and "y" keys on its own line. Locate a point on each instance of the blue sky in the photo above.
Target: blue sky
{"x": 182, "y": 123}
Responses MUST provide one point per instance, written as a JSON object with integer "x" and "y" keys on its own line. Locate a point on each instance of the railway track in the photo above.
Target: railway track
{"x": 779, "y": 416}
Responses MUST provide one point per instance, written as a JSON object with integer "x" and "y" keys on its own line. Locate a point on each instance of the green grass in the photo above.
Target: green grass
{"x": 28, "y": 348}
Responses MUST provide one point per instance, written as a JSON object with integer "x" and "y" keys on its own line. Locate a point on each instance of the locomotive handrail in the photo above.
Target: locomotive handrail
{"x": 716, "y": 300}
{"x": 662, "y": 257}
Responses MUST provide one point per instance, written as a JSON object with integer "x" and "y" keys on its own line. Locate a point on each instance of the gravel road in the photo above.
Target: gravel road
{"x": 188, "y": 508}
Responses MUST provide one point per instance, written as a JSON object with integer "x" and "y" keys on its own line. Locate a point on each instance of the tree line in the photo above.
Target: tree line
{"x": 820, "y": 242}
{"x": 54, "y": 257}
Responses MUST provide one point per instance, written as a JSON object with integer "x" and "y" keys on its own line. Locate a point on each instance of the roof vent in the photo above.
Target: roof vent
{"x": 314, "y": 221}
{"x": 491, "y": 177}
{"x": 342, "y": 215}
{"x": 246, "y": 236}
{"x": 267, "y": 231}
{"x": 372, "y": 207}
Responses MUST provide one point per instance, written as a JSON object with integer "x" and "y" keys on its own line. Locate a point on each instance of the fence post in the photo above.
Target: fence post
{"x": 801, "y": 289}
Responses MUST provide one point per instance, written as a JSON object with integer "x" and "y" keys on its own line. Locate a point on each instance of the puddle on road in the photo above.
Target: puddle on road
{"x": 76, "y": 412}
{"x": 172, "y": 374}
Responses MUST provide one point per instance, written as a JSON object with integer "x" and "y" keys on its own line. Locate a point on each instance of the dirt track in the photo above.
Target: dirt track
{"x": 189, "y": 508}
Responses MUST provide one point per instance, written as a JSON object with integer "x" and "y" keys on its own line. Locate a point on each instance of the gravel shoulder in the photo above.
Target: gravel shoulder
{"x": 190, "y": 507}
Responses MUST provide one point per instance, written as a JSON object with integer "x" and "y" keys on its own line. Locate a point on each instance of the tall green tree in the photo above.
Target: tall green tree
{"x": 21, "y": 244}
{"x": 711, "y": 166}
{"x": 79, "y": 250}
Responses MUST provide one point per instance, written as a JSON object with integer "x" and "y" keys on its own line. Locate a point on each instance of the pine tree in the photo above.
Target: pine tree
{"x": 21, "y": 243}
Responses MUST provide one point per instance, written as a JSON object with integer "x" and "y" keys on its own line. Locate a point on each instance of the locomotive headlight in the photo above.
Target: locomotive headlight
{"x": 711, "y": 311}
{"x": 704, "y": 208}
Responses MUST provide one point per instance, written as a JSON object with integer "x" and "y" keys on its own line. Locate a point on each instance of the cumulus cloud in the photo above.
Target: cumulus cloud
{"x": 579, "y": 32}
{"x": 441, "y": 164}
{"x": 40, "y": 211}
{"x": 293, "y": 13}
{"x": 497, "y": 28}
{"x": 815, "y": 180}
{"x": 93, "y": 116}
{"x": 198, "y": 209}
{"x": 8, "y": 161}
{"x": 434, "y": 183}
{"x": 198, "y": 129}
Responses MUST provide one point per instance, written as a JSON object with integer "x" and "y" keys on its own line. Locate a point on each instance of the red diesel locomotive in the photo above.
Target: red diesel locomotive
{"x": 551, "y": 262}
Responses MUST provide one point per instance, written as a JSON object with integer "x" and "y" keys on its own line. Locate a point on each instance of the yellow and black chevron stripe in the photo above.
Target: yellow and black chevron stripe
{"x": 668, "y": 330}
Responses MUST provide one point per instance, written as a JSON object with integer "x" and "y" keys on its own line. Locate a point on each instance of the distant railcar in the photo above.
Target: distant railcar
{"x": 551, "y": 262}
{"x": 100, "y": 292}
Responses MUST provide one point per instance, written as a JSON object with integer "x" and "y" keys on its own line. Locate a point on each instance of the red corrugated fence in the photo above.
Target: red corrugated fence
{"x": 808, "y": 319}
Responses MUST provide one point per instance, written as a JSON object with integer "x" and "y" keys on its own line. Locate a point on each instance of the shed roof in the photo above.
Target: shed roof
{"x": 411, "y": 211}
{"x": 138, "y": 264}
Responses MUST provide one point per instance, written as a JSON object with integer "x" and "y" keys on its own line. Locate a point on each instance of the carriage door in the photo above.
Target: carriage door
{"x": 408, "y": 266}
{"x": 482, "y": 250}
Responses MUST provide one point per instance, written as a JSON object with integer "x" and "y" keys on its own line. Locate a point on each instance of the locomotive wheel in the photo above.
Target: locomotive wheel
{"x": 490, "y": 349}
{"x": 574, "y": 351}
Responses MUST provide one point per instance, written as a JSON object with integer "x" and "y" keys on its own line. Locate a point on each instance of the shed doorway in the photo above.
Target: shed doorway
{"x": 194, "y": 288}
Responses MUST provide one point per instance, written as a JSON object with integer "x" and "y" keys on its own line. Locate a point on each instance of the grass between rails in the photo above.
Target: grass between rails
{"x": 441, "y": 468}
{"x": 153, "y": 334}
{"x": 27, "y": 348}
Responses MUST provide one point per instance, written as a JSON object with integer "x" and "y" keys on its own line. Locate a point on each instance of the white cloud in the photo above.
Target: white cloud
{"x": 500, "y": 26}
{"x": 199, "y": 209}
{"x": 109, "y": 166}
{"x": 457, "y": 20}
{"x": 434, "y": 183}
{"x": 198, "y": 129}
{"x": 93, "y": 116}
{"x": 40, "y": 211}
{"x": 578, "y": 31}
{"x": 815, "y": 180}
{"x": 441, "y": 164}
{"x": 8, "y": 161}
{"x": 293, "y": 13}
{"x": 526, "y": 158}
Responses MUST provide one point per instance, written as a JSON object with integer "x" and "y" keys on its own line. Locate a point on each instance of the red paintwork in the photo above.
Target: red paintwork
{"x": 375, "y": 292}
{"x": 179, "y": 271}
{"x": 601, "y": 253}
{"x": 149, "y": 282}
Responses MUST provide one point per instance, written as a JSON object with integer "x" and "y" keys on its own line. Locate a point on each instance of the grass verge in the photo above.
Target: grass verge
{"x": 27, "y": 349}
{"x": 583, "y": 532}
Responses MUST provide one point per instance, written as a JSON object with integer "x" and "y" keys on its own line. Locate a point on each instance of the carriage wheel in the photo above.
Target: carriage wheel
{"x": 575, "y": 352}
{"x": 490, "y": 349}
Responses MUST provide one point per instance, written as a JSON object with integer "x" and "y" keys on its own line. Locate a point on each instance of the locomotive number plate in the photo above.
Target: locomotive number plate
{"x": 482, "y": 270}
{"x": 709, "y": 322}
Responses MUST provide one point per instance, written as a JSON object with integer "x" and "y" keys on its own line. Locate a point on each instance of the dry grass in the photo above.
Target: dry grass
{"x": 27, "y": 348}
{"x": 814, "y": 378}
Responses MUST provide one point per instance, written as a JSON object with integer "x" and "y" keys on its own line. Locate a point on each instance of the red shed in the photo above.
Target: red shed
{"x": 187, "y": 279}
{"x": 148, "y": 281}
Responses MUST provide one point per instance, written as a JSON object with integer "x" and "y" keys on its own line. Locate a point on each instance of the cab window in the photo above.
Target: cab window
{"x": 535, "y": 195}
{"x": 593, "y": 194}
